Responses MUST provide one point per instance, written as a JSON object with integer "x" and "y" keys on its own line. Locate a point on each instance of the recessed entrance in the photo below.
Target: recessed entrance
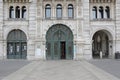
{"x": 102, "y": 42}
{"x": 59, "y": 42}
{"x": 16, "y": 45}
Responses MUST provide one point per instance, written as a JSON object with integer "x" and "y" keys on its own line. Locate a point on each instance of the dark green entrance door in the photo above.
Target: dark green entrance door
{"x": 63, "y": 50}
{"x": 59, "y": 44}
{"x": 16, "y": 45}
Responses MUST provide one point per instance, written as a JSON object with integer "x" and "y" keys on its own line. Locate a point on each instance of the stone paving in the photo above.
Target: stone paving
{"x": 111, "y": 66}
{"x": 9, "y": 66}
{"x": 60, "y": 70}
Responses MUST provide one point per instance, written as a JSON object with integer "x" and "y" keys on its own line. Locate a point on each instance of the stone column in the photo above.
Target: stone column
{"x": 78, "y": 50}
{"x": 2, "y": 56}
{"x": 40, "y": 50}
{"x": 1, "y": 29}
{"x": 117, "y": 28}
{"x": 98, "y": 13}
{"x": 64, "y": 10}
{"x": 32, "y": 30}
{"x": 53, "y": 9}
{"x": 20, "y": 12}
{"x": 86, "y": 30}
{"x": 104, "y": 12}
{"x": 14, "y": 7}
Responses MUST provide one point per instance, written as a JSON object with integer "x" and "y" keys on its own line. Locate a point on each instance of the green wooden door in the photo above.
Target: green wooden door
{"x": 23, "y": 50}
{"x": 10, "y": 50}
{"x": 16, "y": 45}
{"x": 59, "y": 43}
{"x": 17, "y": 50}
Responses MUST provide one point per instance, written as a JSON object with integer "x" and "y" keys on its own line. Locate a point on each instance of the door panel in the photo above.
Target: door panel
{"x": 16, "y": 45}
{"x": 17, "y": 50}
{"x": 10, "y": 50}
{"x": 48, "y": 50}
{"x": 23, "y": 50}
{"x": 58, "y": 37}
{"x": 56, "y": 54}
{"x": 69, "y": 50}
{"x": 63, "y": 50}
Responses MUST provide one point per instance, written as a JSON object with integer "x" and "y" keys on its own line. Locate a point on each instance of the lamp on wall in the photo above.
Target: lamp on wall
{"x": 98, "y": 39}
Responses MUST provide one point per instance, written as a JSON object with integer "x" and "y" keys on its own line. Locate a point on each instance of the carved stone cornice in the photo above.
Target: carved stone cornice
{"x": 102, "y": 1}
{"x": 16, "y": 1}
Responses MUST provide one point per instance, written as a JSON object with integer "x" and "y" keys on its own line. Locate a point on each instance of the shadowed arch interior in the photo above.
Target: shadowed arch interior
{"x": 102, "y": 42}
{"x": 16, "y": 45}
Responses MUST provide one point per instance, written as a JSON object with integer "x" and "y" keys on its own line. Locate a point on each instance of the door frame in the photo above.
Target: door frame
{"x": 68, "y": 39}
{"x": 61, "y": 48}
{"x": 16, "y": 37}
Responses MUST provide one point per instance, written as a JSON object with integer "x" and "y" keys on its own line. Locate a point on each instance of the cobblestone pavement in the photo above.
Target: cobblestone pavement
{"x": 111, "y": 66}
{"x": 9, "y": 66}
{"x": 60, "y": 70}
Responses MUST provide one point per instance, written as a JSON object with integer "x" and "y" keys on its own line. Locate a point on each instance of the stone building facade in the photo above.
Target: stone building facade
{"x": 59, "y": 29}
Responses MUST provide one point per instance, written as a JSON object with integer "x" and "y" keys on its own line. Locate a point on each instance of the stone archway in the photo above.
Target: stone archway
{"x": 102, "y": 42}
{"x": 16, "y": 45}
{"x": 59, "y": 42}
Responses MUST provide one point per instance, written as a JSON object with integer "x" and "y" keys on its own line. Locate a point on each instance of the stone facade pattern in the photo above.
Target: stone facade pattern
{"x": 35, "y": 26}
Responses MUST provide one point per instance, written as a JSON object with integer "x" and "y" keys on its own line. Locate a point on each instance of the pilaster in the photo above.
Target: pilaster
{"x": 1, "y": 29}
{"x": 86, "y": 30}
{"x": 32, "y": 29}
{"x": 117, "y": 28}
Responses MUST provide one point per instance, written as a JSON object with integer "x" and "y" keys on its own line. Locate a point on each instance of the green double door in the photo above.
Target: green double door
{"x": 59, "y": 50}
{"x": 16, "y": 50}
{"x": 59, "y": 43}
{"x": 16, "y": 45}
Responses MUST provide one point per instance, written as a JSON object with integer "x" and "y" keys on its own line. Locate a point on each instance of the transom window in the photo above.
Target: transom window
{"x": 101, "y": 12}
{"x": 59, "y": 11}
{"x": 107, "y": 11}
{"x": 102, "y": 9}
{"x": 24, "y": 12}
{"x": 48, "y": 11}
{"x": 17, "y": 12}
{"x": 94, "y": 12}
{"x": 11, "y": 12}
{"x": 70, "y": 11}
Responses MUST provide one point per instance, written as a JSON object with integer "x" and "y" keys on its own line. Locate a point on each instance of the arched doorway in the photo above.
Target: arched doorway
{"x": 59, "y": 42}
{"x": 16, "y": 45}
{"x": 102, "y": 42}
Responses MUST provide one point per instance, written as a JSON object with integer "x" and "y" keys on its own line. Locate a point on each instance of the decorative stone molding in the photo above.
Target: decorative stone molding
{"x": 102, "y": 1}
{"x": 17, "y": 1}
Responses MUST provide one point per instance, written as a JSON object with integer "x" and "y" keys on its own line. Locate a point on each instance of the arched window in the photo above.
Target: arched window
{"x": 70, "y": 11}
{"x": 17, "y": 12}
{"x": 11, "y": 12}
{"x": 24, "y": 12}
{"x": 47, "y": 11}
{"x": 94, "y": 12}
{"x": 107, "y": 10}
{"x": 59, "y": 11}
{"x": 101, "y": 13}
